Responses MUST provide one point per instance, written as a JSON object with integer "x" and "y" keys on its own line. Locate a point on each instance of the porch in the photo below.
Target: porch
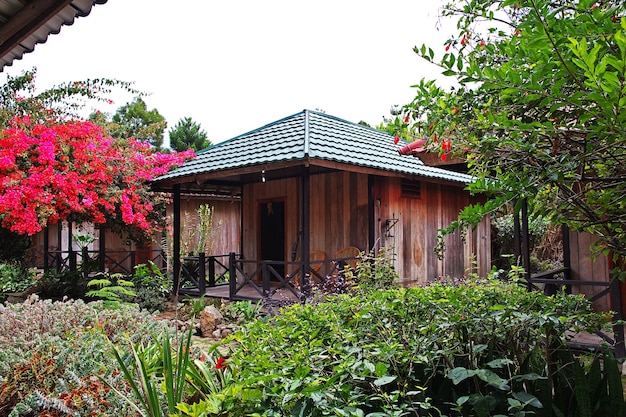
{"x": 276, "y": 282}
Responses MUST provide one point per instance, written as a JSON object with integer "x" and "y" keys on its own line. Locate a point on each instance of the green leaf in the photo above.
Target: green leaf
{"x": 381, "y": 369}
{"x": 385, "y": 380}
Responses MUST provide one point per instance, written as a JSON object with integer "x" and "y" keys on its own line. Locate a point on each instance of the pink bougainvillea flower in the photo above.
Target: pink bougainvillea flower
{"x": 71, "y": 170}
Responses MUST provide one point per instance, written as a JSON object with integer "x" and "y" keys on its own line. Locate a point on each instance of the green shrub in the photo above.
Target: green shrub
{"x": 152, "y": 287}
{"x": 484, "y": 348}
{"x": 14, "y": 278}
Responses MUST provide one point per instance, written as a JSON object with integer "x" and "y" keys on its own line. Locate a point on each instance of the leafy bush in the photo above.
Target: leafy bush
{"x": 14, "y": 278}
{"x": 152, "y": 287}
{"x": 483, "y": 348}
{"x": 57, "y": 355}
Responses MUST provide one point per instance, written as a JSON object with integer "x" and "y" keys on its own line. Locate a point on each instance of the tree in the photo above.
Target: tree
{"x": 136, "y": 121}
{"x": 539, "y": 110}
{"x": 188, "y": 134}
{"x": 56, "y": 168}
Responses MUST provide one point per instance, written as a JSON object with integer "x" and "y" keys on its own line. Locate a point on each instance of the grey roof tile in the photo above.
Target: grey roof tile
{"x": 323, "y": 137}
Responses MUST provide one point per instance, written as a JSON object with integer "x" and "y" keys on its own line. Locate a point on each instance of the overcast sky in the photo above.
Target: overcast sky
{"x": 236, "y": 65}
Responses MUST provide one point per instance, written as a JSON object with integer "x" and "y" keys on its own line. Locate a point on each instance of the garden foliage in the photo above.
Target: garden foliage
{"x": 484, "y": 348}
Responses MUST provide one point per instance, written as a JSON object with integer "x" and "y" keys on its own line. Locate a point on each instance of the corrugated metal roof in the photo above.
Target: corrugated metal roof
{"x": 323, "y": 137}
{"x": 26, "y": 24}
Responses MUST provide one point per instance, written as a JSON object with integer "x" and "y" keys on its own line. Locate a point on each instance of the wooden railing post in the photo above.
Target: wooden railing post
{"x": 265, "y": 276}
{"x": 211, "y": 271}
{"x": 85, "y": 255}
{"x": 232, "y": 278}
{"x": 202, "y": 273}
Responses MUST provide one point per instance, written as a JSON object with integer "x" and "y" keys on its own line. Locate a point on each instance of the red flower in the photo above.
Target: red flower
{"x": 406, "y": 119}
{"x": 396, "y": 140}
{"x": 448, "y": 47}
{"x": 517, "y": 32}
{"x": 444, "y": 157}
{"x": 482, "y": 44}
{"x": 221, "y": 363}
{"x": 463, "y": 40}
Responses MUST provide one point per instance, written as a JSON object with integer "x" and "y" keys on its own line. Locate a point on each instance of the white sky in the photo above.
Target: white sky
{"x": 236, "y": 65}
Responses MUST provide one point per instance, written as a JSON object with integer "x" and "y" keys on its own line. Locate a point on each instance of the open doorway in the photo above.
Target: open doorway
{"x": 272, "y": 233}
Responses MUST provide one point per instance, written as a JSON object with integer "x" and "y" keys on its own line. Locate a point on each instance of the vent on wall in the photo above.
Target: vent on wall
{"x": 410, "y": 188}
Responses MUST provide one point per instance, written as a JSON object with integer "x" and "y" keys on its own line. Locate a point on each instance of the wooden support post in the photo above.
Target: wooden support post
{"x": 306, "y": 227}
{"x": 371, "y": 221}
{"x": 70, "y": 249}
{"x": 176, "y": 242}
{"x": 526, "y": 242}
{"x": 102, "y": 248}
{"x": 211, "y": 271}
{"x": 567, "y": 255}
{"x": 46, "y": 244}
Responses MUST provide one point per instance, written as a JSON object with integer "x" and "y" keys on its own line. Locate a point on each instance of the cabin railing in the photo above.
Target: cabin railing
{"x": 91, "y": 261}
{"x": 285, "y": 281}
{"x": 201, "y": 272}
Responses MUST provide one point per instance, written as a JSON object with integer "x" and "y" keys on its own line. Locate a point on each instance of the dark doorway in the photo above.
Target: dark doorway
{"x": 272, "y": 239}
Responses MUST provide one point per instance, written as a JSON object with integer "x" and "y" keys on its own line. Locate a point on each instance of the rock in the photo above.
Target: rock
{"x": 217, "y": 334}
{"x": 210, "y": 318}
{"x": 226, "y": 332}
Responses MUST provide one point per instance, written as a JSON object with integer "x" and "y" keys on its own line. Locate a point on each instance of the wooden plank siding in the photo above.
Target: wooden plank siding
{"x": 285, "y": 190}
{"x": 339, "y": 218}
{"x": 226, "y": 237}
{"x": 414, "y": 236}
{"x": 586, "y": 268}
{"x": 339, "y": 212}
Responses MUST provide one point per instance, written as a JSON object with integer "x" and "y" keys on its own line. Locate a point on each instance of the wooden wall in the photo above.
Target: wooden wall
{"x": 339, "y": 212}
{"x": 226, "y": 235}
{"x": 340, "y": 218}
{"x": 584, "y": 267}
{"x": 285, "y": 190}
{"x": 417, "y": 220}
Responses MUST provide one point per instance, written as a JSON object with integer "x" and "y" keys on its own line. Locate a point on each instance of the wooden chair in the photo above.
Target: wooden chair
{"x": 347, "y": 256}
{"x": 336, "y": 280}
{"x": 314, "y": 255}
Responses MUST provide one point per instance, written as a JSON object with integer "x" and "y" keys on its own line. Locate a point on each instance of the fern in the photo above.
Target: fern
{"x": 110, "y": 287}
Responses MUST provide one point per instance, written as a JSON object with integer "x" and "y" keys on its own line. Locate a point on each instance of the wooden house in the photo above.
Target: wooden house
{"x": 312, "y": 186}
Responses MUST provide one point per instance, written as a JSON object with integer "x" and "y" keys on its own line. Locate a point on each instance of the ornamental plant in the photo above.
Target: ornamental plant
{"x": 537, "y": 109}
{"x": 56, "y": 356}
{"x": 55, "y": 167}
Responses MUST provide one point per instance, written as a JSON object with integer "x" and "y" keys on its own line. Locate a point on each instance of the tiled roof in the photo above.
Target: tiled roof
{"x": 24, "y": 24}
{"x": 311, "y": 136}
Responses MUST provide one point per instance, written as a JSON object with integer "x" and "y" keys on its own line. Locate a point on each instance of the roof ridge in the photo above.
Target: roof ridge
{"x": 307, "y": 136}
{"x": 259, "y": 128}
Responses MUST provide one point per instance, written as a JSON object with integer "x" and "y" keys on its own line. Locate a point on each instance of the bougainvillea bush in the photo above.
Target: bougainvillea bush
{"x": 483, "y": 348}
{"x": 55, "y": 166}
{"x": 72, "y": 170}
{"x": 56, "y": 356}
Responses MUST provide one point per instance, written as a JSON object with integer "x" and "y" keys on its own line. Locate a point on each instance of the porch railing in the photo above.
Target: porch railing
{"x": 201, "y": 272}
{"x": 260, "y": 279}
{"x": 559, "y": 280}
{"x": 90, "y": 261}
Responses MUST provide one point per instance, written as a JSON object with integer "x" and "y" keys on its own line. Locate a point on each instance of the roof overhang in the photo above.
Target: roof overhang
{"x": 26, "y": 23}
{"x": 223, "y": 181}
